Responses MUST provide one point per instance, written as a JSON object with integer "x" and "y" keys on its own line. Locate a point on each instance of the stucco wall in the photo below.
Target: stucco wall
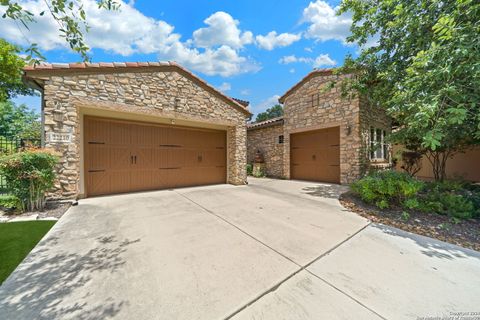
{"x": 266, "y": 140}
{"x": 465, "y": 165}
{"x": 332, "y": 110}
{"x": 166, "y": 94}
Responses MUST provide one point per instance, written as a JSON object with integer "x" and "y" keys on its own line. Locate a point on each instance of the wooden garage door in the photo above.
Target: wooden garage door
{"x": 123, "y": 156}
{"x": 315, "y": 155}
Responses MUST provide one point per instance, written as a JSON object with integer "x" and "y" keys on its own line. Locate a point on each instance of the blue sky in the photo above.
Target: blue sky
{"x": 252, "y": 50}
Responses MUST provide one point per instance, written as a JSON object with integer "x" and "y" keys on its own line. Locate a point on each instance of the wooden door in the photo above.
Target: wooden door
{"x": 315, "y": 155}
{"x": 123, "y": 156}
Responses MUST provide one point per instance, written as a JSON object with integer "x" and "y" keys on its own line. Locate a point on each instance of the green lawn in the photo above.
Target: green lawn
{"x": 17, "y": 239}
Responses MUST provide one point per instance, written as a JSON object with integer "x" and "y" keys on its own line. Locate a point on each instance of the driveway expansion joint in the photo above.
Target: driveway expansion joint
{"x": 300, "y": 267}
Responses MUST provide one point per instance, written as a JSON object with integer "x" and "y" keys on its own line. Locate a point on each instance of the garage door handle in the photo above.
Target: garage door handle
{"x": 314, "y": 157}
{"x": 94, "y": 142}
{"x": 171, "y": 145}
{"x": 96, "y": 170}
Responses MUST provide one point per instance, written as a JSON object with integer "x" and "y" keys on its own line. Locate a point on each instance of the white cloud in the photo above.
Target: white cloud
{"x": 128, "y": 31}
{"x": 222, "y": 30}
{"x": 272, "y": 40}
{"x": 322, "y": 60}
{"x": 265, "y": 104}
{"x": 225, "y": 86}
{"x": 324, "y": 23}
{"x": 245, "y": 92}
{"x": 292, "y": 70}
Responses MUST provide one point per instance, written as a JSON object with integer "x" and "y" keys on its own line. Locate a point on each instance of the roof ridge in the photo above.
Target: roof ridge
{"x": 44, "y": 66}
{"x": 325, "y": 71}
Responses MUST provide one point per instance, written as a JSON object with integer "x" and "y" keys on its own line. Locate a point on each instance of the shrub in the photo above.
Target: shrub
{"x": 9, "y": 202}
{"x": 249, "y": 169}
{"x": 387, "y": 188}
{"x": 453, "y": 198}
{"x": 29, "y": 174}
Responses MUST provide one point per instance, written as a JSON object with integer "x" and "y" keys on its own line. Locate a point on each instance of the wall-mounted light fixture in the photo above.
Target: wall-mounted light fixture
{"x": 348, "y": 129}
{"x": 172, "y": 121}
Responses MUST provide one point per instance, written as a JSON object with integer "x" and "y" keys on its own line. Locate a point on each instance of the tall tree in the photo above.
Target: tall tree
{"x": 18, "y": 122}
{"x": 69, "y": 15}
{"x": 11, "y": 65}
{"x": 424, "y": 68}
{"x": 272, "y": 112}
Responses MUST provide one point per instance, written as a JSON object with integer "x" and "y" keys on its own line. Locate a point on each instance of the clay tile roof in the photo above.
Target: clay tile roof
{"x": 266, "y": 123}
{"x": 244, "y": 103}
{"x": 315, "y": 72}
{"x": 52, "y": 68}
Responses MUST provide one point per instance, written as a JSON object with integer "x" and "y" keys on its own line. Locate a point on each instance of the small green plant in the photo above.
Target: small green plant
{"x": 29, "y": 175}
{"x": 249, "y": 169}
{"x": 259, "y": 173}
{"x": 405, "y": 216}
{"x": 9, "y": 203}
{"x": 411, "y": 203}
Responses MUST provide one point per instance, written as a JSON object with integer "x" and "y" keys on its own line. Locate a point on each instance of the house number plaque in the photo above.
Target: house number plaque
{"x": 59, "y": 137}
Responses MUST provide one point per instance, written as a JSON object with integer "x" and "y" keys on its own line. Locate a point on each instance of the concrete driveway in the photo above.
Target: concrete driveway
{"x": 271, "y": 250}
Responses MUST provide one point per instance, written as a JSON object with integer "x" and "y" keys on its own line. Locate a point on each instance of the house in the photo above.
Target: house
{"x": 123, "y": 127}
{"x": 321, "y": 136}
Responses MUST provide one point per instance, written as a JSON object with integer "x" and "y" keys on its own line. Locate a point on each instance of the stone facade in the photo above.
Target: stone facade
{"x": 166, "y": 92}
{"x": 312, "y": 105}
{"x": 266, "y": 139}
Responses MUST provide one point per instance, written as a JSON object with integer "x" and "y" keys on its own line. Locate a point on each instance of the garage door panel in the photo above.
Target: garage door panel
{"x": 315, "y": 155}
{"x": 136, "y": 157}
{"x": 118, "y": 133}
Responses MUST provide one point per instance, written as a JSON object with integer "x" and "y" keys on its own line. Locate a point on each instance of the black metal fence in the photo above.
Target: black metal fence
{"x": 9, "y": 146}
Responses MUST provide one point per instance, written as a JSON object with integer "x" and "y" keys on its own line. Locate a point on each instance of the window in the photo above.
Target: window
{"x": 378, "y": 145}
{"x": 280, "y": 139}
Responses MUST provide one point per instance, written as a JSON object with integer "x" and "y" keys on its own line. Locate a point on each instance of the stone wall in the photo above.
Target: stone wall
{"x": 265, "y": 139}
{"x": 167, "y": 94}
{"x": 329, "y": 110}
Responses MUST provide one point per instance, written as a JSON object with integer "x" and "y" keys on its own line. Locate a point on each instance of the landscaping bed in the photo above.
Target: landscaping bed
{"x": 53, "y": 211}
{"x": 446, "y": 210}
{"x": 17, "y": 239}
{"x": 464, "y": 233}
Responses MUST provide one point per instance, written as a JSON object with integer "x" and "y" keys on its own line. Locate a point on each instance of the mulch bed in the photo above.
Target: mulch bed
{"x": 53, "y": 209}
{"x": 465, "y": 233}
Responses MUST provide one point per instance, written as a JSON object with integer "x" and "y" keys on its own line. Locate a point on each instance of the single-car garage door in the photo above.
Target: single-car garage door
{"x": 315, "y": 155}
{"x": 122, "y": 156}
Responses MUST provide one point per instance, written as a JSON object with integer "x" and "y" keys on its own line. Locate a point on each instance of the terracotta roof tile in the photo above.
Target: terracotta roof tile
{"x": 266, "y": 123}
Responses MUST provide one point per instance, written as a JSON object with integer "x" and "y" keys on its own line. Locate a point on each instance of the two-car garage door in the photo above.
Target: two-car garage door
{"x": 123, "y": 156}
{"x": 315, "y": 155}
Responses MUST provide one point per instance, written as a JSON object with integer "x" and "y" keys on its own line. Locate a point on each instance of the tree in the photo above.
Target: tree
{"x": 11, "y": 65}
{"x": 18, "y": 122}
{"x": 70, "y": 16}
{"x": 273, "y": 112}
{"x": 424, "y": 69}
